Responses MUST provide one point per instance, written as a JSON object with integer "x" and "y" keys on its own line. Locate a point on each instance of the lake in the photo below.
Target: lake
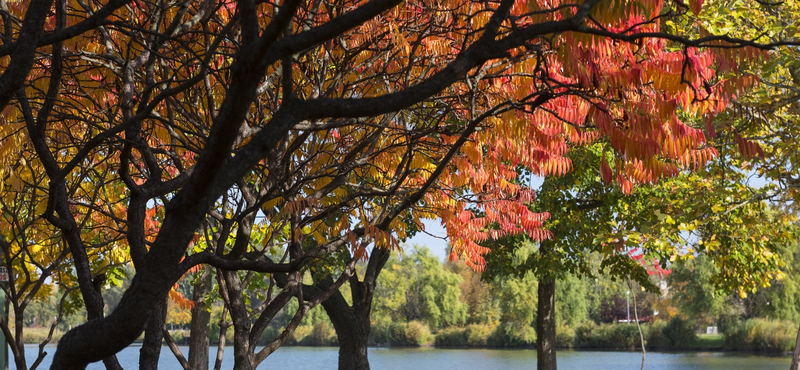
{"x": 323, "y": 358}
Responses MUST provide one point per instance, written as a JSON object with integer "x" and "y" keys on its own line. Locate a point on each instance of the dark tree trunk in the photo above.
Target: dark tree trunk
{"x": 352, "y": 330}
{"x": 796, "y": 353}
{"x": 353, "y": 346}
{"x": 94, "y": 310}
{"x": 352, "y": 324}
{"x": 153, "y": 338}
{"x": 241, "y": 321}
{"x": 546, "y": 325}
{"x": 201, "y": 320}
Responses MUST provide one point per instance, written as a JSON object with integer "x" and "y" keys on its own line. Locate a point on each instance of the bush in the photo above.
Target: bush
{"x": 269, "y": 334}
{"x": 512, "y": 334}
{"x": 299, "y": 335}
{"x": 451, "y": 337}
{"x": 397, "y": 334}
{"x": 475, "y": 335}
{"x": 654, "y": 335}
{"x": 478, "y": 335}
{"x": 675, "y": 334}
{"x": 213, "y": 334}
{"x": 414, "y": 333}
{"x": 565, "y": 337}
{"x": 417, "y": 334}
{"x": 760, "y": 335}
{"x": 379, "y": 334}
{"x": 614, "y": 336}
{"x": 178, "y": 336}
{"x": 679, "y": 332}
{"x": 321, "y": 334}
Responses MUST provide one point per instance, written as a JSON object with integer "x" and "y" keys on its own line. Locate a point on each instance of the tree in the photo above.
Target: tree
{"x": 666, "y": 221}
{"x": 342, "y": 123}
{"x": 419, "y": 287}
{"x": 33, "y": 252}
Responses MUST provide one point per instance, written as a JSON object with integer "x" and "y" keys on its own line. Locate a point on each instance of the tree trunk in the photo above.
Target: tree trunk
{"x": 200, "y": 326}
{"x": 546, "y": 325}
{"x": 353, "y": 347}
{"x": 352, "y": 330}
{"x": 352, "y": 324}
{"x": 241, "y": 321}
{"x": 153, "y": 338}
{"x": 796, "y": 353}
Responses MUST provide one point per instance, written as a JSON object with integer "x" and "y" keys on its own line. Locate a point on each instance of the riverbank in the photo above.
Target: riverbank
{"x": 705, "y": 342}
{"x": 752, "y": 336}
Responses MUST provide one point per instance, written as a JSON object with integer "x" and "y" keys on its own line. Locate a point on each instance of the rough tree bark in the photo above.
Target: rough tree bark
{"x": 352, "y": 329}
{"x": 241, "y": 321}
{"x": 200, "y": 325}
{"x": 796, "y": 354}
{"x": 153, "y": 337}
{"x": 352, "y": 324}
{"x": 546, "y": 324}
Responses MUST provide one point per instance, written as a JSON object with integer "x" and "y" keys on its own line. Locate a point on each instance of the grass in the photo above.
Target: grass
{"x": 707, "y": 341}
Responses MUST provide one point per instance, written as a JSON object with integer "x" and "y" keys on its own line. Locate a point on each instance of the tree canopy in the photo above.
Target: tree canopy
{"x": 263, "y": 136}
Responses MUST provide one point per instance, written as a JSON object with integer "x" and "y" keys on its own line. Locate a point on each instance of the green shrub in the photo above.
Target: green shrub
{"x": 760, "y": 335}
{"x": 320, "y": 334}
{"x": 414, "y": 333}
{"x": 213, "y": 334}
{"x": 478, "y": 335}
{"x": 680, "y": 332}
{"x": 397, "y": 334}
{"x": 451, "y": 337}
{"x": 269, "y": 334}
{"x": 614, "y": 336}
{"x": 584, "y": 334}
{"x": 299, "y": 335}
{"x": 379, "y": 334}
{"x": 513, "y": 334}
{"x": 654, "y": 335}
{"x": 417, "y": 334}
{"x": 178, "y": 335}
{"x": 484, "y": 335}
{"x": 565, "y": 337}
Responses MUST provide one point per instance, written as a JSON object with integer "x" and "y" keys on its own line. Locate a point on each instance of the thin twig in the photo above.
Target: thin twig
{"x": 638, "y": 325}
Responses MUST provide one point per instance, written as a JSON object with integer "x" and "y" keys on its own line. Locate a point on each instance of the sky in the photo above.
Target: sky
{"x": 434, "y": 242}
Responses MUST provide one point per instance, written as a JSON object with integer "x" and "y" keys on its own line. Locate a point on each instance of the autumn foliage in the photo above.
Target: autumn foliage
{"x": 278, "y": 134}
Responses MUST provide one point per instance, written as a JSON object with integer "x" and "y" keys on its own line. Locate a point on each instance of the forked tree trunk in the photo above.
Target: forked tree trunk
{"x": 546, "y": 325}
{"x": 352, "y": 330}
{"x": 200, "y": 325}
{"x": 352, "y": 323}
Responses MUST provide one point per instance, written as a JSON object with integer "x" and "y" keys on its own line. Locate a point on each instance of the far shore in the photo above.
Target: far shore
{"x": 704, "y": 343}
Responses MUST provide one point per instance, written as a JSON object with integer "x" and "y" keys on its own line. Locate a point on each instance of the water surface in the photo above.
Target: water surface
{"x": 325, "y": 358}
